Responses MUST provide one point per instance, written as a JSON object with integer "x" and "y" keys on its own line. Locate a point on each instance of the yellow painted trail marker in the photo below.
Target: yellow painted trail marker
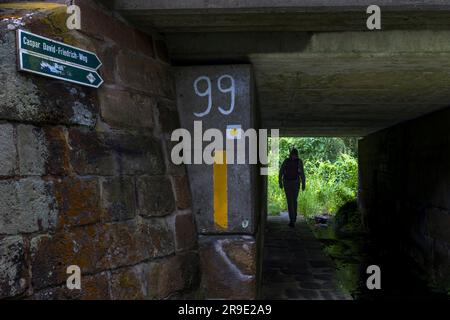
{"x": 220, "y": 190}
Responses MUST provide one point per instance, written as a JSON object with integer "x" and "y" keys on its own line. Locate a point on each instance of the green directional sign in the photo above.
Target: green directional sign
{"x": 59, "y": 51}
{"x": 58, "y": 70}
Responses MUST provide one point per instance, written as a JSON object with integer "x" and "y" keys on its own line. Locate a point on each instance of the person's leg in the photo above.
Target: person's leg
{"x": 296, "y": 190}
{"x": 289, "y": 190}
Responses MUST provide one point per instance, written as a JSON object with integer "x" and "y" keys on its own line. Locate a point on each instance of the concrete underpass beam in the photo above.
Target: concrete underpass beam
{"x": 271, "y": 4}
{"x": 239, "y": 202}
{"x": 223, "y": 195}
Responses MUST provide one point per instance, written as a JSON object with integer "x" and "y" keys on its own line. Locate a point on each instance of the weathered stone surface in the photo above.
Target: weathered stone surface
{"x": 63, "y": 103}
{"x": 93, "y": 287}
{"x": 26, "y": 206}
{"x": 83, "y": 211}
{"x": 155, "y": 196}
{"x": 135, "y": 71}
{"x": 182, "y": 192}
{"x": 169, "y": 277}
{"x": 144, "y": 44}
{"x": 185, "y": 231}
{"x": 15, "y": 85}
{"x": 172, "y": 169}
{"x": 8, "y": 152}
{"x": 123, "y": 109}
{"x": 78, "y": 201}
{"x": 118, "y": 198}
{"x": 107, "y": 52}
{"x": 228, "y": 264}
{"x": 13, "y": 271}
{"x": 129, "y": 283}
{"x": 168, "y": 116}
{"x": 144, "y": 74}
{"x": 32, "y": 148}
{"x": 41, "y": 100}
{"x": 82, "y": 114}
{"x": 126, "y": 245}
{"x": 242, "y": 255}
{"x": 48, "y": 19}
{"x": 130, "y": 242}
{"x": 136, "y": 154}
{"x": 58, "y": 160}
{"x": 99, "y": 23}
{"x": 42, "y": 151}
{"x": 85, "y": 247}
{"x": 89, "y": 155}
{"x": 172, "y": 275}
{"x": 158, "y": 232}
{"x": 98, "y": 247}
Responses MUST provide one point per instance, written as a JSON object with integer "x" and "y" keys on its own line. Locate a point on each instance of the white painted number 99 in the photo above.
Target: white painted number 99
{"x": 207, "y": 92}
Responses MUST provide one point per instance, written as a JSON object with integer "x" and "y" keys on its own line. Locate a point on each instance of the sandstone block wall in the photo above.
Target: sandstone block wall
{"x": 85, "y": 177}
{"x": 404, "y": 192}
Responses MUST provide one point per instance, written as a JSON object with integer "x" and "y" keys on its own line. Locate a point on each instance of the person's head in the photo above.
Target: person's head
{"x": 294, "y": 153}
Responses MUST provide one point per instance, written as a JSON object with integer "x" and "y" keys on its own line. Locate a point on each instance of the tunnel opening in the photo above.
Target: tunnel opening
{"x": 296, "y": 262}
{"x": 331, "y": 167}
{"x": 328, "y": 254}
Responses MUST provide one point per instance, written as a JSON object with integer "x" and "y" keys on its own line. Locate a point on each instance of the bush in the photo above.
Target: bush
{"x": 348, "y": 219}
{"x": 276, "y": 198}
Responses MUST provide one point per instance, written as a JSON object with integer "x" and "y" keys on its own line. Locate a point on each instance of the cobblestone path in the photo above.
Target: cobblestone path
{"x": 295, "y": 267}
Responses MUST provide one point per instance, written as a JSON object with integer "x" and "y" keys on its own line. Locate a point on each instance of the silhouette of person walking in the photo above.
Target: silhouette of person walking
{"x": 291, "y": 172}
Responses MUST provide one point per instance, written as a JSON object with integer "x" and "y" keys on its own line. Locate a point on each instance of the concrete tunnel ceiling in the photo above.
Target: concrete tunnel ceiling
{"x": 318, "y": 70}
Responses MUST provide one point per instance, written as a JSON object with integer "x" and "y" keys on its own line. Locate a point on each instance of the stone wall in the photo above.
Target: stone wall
{"x": 85, "y": 177}
{"x": 404, "y": 192}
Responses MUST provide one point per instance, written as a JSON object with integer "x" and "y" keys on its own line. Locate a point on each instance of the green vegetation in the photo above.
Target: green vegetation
{"x": 331, "y": 169}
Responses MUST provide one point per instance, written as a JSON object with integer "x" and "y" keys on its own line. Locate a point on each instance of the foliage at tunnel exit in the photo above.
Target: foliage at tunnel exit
{"x": 331, "y": 169}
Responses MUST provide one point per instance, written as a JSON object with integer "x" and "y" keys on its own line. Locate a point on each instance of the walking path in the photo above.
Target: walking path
{"x": 295, "y": 267}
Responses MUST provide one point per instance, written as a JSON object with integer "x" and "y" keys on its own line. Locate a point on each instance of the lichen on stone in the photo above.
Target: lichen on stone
{"x": 18, "y": 95}
{"x": 82, "y": 115}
